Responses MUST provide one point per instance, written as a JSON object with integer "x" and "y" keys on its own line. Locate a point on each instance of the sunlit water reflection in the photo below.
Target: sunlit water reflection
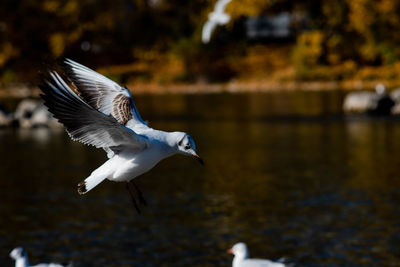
{"x": 286, "y": 173}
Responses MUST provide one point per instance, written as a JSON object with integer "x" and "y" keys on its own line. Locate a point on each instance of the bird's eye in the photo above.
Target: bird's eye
{"x": 187, "y": 147}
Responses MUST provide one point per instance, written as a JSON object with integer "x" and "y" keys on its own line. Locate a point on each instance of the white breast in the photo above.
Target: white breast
{"x": 130, "y": 165}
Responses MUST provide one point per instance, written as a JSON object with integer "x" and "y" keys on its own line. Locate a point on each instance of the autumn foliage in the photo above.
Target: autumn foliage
{"x": 159, "y": 40}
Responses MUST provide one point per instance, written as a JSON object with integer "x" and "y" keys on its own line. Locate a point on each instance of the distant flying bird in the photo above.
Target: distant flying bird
{"x": 241, "y": 258}
{"x": 101, "y": 113}
{"x": 217, "y": 17}
{"x": 21, "y": 259}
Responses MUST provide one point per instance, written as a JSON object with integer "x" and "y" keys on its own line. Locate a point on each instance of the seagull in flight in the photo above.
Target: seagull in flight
{"x": 217, "y": 17}
{"x": 21, "y": 259}
{"x": 97, "y": 111}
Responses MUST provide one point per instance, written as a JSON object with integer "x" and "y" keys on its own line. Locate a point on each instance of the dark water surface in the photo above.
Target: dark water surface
{"x": 286, "y": 173}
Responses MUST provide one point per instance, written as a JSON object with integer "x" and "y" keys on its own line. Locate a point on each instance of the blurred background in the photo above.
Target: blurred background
{"x": 159, "y": 41}
{"x": 302, "y": 154}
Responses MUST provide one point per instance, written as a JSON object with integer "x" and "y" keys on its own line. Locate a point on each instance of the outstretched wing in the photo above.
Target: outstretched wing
{"x": 103, "y": 94}
{"x": 208, "y": 28}
{"x": 83, "y": 122}
{"x": 220, "y": 6}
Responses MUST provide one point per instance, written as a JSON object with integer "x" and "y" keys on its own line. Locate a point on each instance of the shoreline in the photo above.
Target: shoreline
{"x": 24, "y": 91}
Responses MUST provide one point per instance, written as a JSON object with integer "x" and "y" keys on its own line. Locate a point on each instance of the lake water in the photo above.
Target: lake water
{"x": 286, "y": 173}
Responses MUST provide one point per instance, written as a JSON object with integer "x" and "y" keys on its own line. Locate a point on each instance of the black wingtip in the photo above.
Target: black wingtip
{"x": 82, "y": 188}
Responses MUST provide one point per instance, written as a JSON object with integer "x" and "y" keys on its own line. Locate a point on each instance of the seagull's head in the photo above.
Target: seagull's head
{"x": 17, "y": 253}
{"x": 239, "y": 250}
{"x": 185, "y": 145}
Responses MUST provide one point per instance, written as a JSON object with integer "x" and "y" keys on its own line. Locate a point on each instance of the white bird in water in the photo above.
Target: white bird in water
{"x": 241, "y": 258}
{"x": 101, "y": 113}
{"x": 21, "y": 259}
{"x": 217, "y": 17}
{"x": 373, "y": 103}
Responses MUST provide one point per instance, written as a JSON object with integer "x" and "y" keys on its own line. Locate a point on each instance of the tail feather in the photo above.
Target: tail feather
{"x": 89, "y": 183}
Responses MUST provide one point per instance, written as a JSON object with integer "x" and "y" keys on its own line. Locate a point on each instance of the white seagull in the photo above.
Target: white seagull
{"x": 101, "y": 113}
{"x": 21, "y": 259}
{"x": 217, "y": 17}
{"x": 241, "y": 258}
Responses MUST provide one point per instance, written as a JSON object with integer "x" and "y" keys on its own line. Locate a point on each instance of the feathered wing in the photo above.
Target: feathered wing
{"x": 103, "y": 94}
{"x": 83, "y": 122}
{"x": 221, "y": 5}
{"x": 208, "y": 28}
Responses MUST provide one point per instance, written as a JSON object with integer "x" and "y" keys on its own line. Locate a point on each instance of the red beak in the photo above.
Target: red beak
{"x": 230, "y": 251}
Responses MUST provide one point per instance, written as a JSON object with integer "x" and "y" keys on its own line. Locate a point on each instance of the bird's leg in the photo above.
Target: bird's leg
{"x": 140, "y": 195}
{"x": 132, "y": 198}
